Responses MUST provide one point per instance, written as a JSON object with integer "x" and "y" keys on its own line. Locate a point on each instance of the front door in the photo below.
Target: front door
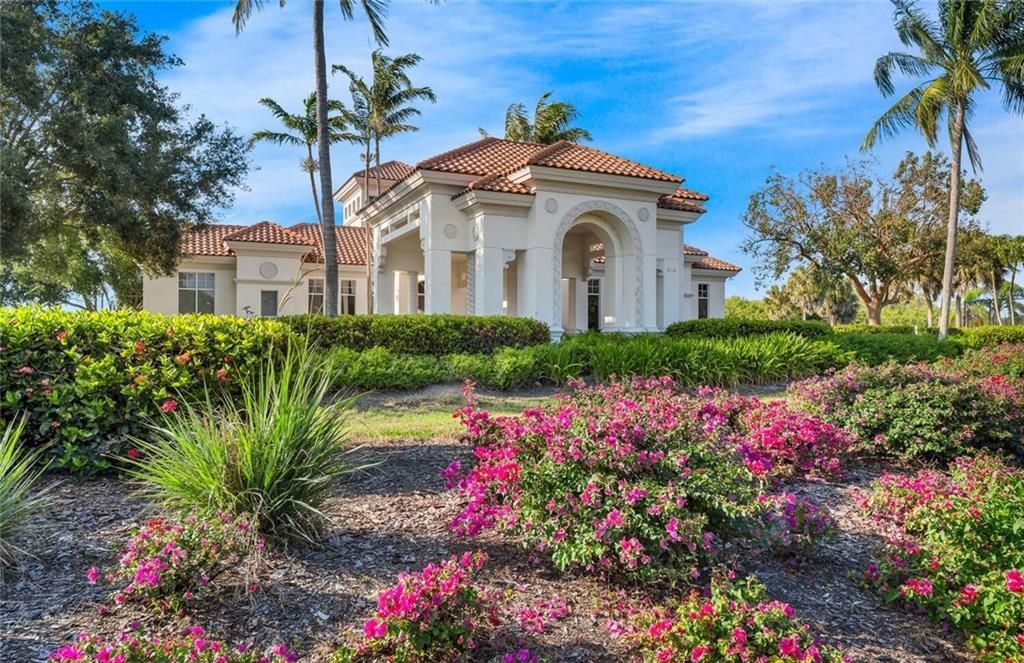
{"x": 594, "y": 304}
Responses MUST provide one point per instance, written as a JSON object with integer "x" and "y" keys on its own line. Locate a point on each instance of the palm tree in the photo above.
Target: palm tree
{"x": 375, "y": 11}
{"x": 387, "y": 100}
{"x": 974, "y": 44}
{"x": 552, "y": 122}
{"x": 303, "y": 132}
{"x": 1013, "y": 254}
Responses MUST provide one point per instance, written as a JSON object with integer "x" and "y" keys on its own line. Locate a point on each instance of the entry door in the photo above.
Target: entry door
{"x": 594, "y": 304}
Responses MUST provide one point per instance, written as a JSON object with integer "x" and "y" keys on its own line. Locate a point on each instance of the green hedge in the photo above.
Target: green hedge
{"x": 87, "y": 380}
{"x": 436, "y": 335}
{"x": 734, "y": 327}
{"x": 988, "y": 336}
{"x": 877, "y": 348}
{"x": 875, "y": 329}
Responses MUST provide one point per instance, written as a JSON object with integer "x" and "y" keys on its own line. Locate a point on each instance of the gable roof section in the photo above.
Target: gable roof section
{"x": 266, "y": 232}
{"x": 389, "y": 170}
{"x": 693, "y": 251}
{"x": 683, "y": 200}
{"x": 208, "y": 240}
{"x": 212, "y": 240}
{"x": 350, "y": 240}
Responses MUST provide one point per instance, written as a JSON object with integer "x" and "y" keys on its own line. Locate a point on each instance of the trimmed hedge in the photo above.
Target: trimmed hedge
{"x": 733, "y": 327}
{"x": 877, "y": 348}
{"x": 436, "y": 335}
{"x": 988, "y": 336}
{"x": 874, "y": 329}
{"x": 88, "y": 380}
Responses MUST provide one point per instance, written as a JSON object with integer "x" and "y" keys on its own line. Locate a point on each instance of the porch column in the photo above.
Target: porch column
{"x": 671, "y": 294}
{"x": 412, "y": 292}
{"x": 538, "y": 290}
{"x": 437, "y": 271}
{"x": 490, "y": 281}
{"x": 384, "y": 292}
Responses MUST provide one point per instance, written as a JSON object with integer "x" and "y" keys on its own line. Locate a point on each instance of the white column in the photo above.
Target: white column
{"x": 384, "y": 292}
{"x": 412, "y": 292}
{"x": 671, "y": 295}
{"x": 437, "y": 270}
{"x": 538, "y": 289}
{"x": 649, "y": 291}
{"x": 490, "y": 281}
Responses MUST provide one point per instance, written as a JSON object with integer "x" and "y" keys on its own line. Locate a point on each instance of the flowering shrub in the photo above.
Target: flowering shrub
{"x": 168, "y": 564}
{"x": 438, "y": 614}
{"x": 955, "y": 547}
{"x": 735, "y": 622}
{"x": 1006, "y": 359}
{"x": 792, "y": 525}
{"x": 193, "y": 646}
{"x": 917, "y": 410}
{"x": 89, "y": 380}
{"x": 620, "y": 478}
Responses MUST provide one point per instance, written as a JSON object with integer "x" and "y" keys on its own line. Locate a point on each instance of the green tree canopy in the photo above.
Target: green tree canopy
{"x": 102, "y": 170}
{"x": 552, "y": 122}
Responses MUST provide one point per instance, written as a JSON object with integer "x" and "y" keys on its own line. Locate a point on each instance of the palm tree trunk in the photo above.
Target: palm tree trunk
{"x": 323, "y": 145}
{"x": 930, "y": 306}
{"x": 366, "y": 172}
{"x": 312, "y": 184}
{"x": 995, "y": 298}
{"x": 956, "y": 139}
{"x": 1013, "y": 278}
{"x": 376, "y": 150}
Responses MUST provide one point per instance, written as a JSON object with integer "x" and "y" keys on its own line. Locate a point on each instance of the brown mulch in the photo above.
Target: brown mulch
{"x": 393, "y": 518}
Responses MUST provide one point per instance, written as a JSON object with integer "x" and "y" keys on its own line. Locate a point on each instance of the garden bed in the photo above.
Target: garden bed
{"x": 394, "y": 517}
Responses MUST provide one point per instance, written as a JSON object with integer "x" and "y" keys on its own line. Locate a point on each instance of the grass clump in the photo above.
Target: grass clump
{"x": 19, "y": 470}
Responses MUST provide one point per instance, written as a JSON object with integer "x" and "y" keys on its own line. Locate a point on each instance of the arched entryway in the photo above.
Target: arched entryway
{"x": 597, "y": 270}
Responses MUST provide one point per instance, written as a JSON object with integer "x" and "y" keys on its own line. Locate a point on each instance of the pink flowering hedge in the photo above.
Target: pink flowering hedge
{"x": 918, "y": 410}
{"x": 732, "y": 622}
{"x": 170, "y": 565}
{"x": 193, "y": 646}
{"x": 632, "y": 478}
{"x": 88, "y": 380}
{"x": 955, "y": 547}
{"x": 1006, "y": 359}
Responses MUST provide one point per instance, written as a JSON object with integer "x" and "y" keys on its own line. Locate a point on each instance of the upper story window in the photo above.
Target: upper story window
{"x": 195, "y": 292}
{"x": 702, "y": 300}
{"x": 347, "y": 297}
{"x": 316, "y": 295}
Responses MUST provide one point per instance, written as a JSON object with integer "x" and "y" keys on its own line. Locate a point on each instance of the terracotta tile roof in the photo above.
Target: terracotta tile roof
{"x": 208, "y": 241}
{"x": 571, "y": 156}
{"x": 350, "y": 240}
{"x": 496, "y": 182}
{"x": 683, "y": 200}
{"x": 693, "y": 251}
{"x": 266, "y": 232}
{"x": 710, "y": 262}
{"x": 484, "y": 157}
{"x": 389, "y": 170}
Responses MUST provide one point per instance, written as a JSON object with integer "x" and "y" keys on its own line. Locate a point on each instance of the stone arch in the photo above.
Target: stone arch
{"x": 619, "y": 215}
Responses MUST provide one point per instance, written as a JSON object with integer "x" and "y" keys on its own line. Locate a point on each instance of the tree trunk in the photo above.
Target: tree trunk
{"x": 323, "y": 145}
{"x": 959, "y": 311}
{"x": 930, "y": 306}
{"x": 376, "y": 150}
{"x": 874, "y": 313}
{"x": 995, "y": 298}
{"x": 956, "y": 139}
{"x": 366, "y": 173}
{"x": 1013, "y": 278}
{"x": 312, "y": 184}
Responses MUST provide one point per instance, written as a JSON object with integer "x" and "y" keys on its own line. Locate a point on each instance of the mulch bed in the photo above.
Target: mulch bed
{"x": 393, "y": 518}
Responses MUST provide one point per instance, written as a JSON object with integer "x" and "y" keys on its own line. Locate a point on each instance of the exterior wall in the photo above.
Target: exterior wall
{"x": 160, "y": 294}
{"x": 716, "y": 293}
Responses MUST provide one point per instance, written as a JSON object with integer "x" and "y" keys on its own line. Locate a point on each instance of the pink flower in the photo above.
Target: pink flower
{"x": 170, "y": 405}
{"x": 375, "y": 629}
{"x": 790, "y": 647}
{"x": 92, "y": 575}
{"x": 133, "y": 453}
{"x": 698, "y": 652}
{"x": 1014, "y": 581}
{"x": 917, "y": 587}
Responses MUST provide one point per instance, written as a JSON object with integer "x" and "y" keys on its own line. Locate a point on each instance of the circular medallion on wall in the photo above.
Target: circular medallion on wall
{"x": 551, "y": 205}
{"x": 450, "y": 231}
{"x": 268, "y": 270}
{"x": 643, "y": 214}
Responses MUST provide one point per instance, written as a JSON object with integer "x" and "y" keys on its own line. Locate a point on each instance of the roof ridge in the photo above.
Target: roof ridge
{"x": 458, "y": 151}
{"x": 550, "y": 150}
{"x": 241, "y": 231}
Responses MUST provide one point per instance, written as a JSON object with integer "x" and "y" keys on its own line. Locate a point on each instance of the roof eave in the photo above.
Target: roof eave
{"x": 632, "y": 182}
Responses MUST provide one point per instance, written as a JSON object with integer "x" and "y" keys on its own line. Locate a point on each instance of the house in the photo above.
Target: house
{"x": 564, "y": 233}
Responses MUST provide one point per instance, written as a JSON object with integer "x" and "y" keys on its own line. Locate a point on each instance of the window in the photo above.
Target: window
{"x": 316, "y": 295}
{"x": 421, "y": 296}
{"x": 702, "y": 300}
{"x": 347, "y": 296}
{"x": 268, "y": 303}
{"x": 195, "y": 292}
{"x": 593, "y": 304}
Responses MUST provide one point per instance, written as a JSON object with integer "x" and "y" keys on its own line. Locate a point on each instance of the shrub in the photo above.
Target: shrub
{"x": 792, "y": 525}
{"x": 956, "y": 548}
{"x": 619, "y": 479}
{"x": 422, "y": 334}
{"x": 20, "y": 468}
{"x": 1006, "y": 359}
{"x": 778, "y": 441}
{"x": 877, "y": 348}
{"x": 272, "y": 456}
{"x": 438, "y": 614}
{"x": 193, "y": 646}
{"x": 380, "y": 368}
{"x": 508, "y": 368}
{"x": 735, "y": 622}
{"x": 734, "y": 327}
{"x": 89, "y": 380}
{"x": 169, "y": 565}
{"x": 987, "y": 336}
{"x": 916, "y": 410}
{"x": 873, "y": 329}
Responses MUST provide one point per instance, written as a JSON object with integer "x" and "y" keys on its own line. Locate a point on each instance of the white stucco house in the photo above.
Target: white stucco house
{"x": 564, "y": 233}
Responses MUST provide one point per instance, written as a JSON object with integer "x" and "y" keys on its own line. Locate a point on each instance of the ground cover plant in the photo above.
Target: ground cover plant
{"x": 193, "y": 646}
{"x": 955, "y": 547}
{"x": 20, "y": 469}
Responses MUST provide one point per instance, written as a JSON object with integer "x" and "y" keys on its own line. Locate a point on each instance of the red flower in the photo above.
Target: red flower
{"x": 133, "y": 453}
{"x": 170, "y": 405}
{"x": 183, "y": 358}
{"x": 61, "y": 335}
{"x": 222, "y": 375}
{"x": 1014, "y": 581}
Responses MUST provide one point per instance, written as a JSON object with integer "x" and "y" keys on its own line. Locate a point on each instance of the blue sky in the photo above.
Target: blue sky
{"x": 717, "y": 92}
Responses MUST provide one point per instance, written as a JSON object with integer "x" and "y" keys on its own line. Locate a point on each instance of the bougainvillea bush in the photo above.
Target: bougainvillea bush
{"x": 193, "y": 646}
{"x": 88, "y": 380}
{"x": 170, "y": 565}
{"x": 917, "y": 410}
{"x": 1006, "y": 359}
{"x": 955, "y": 547}
{"x": 734, "y": 621}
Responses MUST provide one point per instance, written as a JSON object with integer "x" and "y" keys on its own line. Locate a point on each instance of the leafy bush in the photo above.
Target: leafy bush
{"x": 169, "y": 565}
{"x": 956, "y": 548}
{"x": 422, "y": 334}
{"x": 20, "y": 468}
{"x": 917, "y": 410}
{"x": 873, "y": 329}
{"x": 792, "y": 525}
{"x": 735, "y": 622}
{"x": 734, "y": 327}
{"x": 380, "y": 368}
{"x": 89, "y": 380}
{"x": 506, "y": 369}
{"x": 983, "y": 337}
{"x": 193, "y": 646}
{"x": 272, "y": 456}
{"x": 782, "y": 442}
{"x": 877, "y": 348}
{"x": 1006, "y": 359}
{"x": 438, "y": 614}
{"x": 620, "y": 479}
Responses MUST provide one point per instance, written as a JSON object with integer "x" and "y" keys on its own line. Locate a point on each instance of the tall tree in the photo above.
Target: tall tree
{"x": 375, "y": 11}
{"x": 387, "y": 100}
{"x": 552, "y": 122}
{"x": 878, "y": 233}
{"x": 1013, "y": 254}
{"x": 301, "y": 131}
{"x": 973, "y": 45}
{"x": 101, "y": 171}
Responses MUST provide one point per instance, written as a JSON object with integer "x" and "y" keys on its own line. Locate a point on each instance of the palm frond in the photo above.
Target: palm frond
{"x": 906, "y": 63}
{"x": 900, "y": 115}
{"x": 244, "y": 9}
{"x": 277, "y": 138}
{"x": 376, "y": 11}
